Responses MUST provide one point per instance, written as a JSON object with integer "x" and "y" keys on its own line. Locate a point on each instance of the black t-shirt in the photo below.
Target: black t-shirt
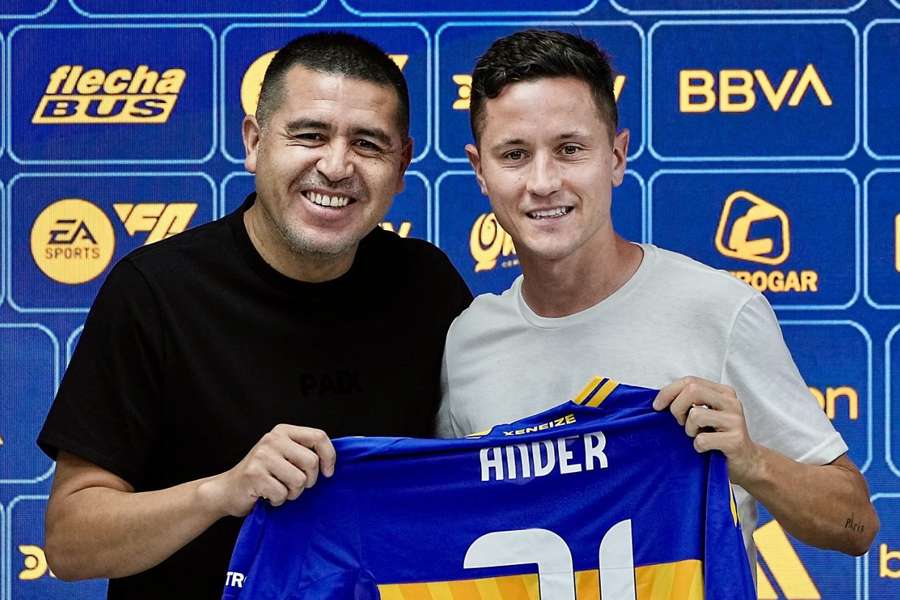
{"x": 195, "y": 347}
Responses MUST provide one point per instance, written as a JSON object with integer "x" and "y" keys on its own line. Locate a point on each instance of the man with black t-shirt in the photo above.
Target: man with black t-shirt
{"x": 215, "y": 365}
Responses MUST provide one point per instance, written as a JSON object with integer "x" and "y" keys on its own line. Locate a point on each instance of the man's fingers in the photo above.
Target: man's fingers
{"x": 316, "y": 440}
{"x": 700, "y": 418}
{"x": 272, "y": 490}
{"x": 293, "y": 479}
{"x": 668, "y": 393}
{"x": 689, "y": 385}
{"x": 719, "y": 398}
{"x": 303, "y": 459}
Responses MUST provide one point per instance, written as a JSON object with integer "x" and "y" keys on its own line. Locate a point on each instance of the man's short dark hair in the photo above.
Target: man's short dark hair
{"x": 338, "y": 53}
{"x": 536, "y": 54}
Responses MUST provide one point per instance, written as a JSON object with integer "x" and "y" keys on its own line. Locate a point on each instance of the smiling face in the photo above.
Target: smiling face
{"x": 545, "y": 160}
{"x": 328, "y": 163}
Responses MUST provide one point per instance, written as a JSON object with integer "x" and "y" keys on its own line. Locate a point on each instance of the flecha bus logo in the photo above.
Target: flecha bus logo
{"x": 79, "y": 96}
{"x": 251, "y": 82}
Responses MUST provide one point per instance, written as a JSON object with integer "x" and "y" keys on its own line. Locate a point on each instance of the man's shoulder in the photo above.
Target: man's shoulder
{"x": 399, "y": 247}
{"x": 487, "y": 311}
{"x": 696, "y": 280}
{"x": 388, "y": 252}
{"x": 211, "y": 241}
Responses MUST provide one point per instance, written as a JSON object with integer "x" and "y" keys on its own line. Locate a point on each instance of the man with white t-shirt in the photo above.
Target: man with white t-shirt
{"x": 548, "y": 154}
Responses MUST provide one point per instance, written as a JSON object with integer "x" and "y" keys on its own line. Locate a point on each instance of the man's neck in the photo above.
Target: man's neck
{"x": 558, "y": 288}
{"x": 273, "y": 249}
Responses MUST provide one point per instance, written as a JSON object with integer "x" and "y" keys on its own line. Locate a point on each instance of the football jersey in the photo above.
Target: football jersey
{"x": 601, "y": 495}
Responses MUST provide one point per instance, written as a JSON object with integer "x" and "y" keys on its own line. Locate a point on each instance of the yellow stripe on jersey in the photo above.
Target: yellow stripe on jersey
{"x": 587, "y": 585}
{"x": 596, "y": 392}
{"x": 682, "y": 580}
{"x": 733, "y": 503}
{"x": 585, "y": 393}
{"x": 605, "y": 390}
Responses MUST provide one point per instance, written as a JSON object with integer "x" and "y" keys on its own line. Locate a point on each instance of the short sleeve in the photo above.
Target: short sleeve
{"x": 780, "y": 411}
{"x": 107, "y": 409}
{"x": 444, "y": 426}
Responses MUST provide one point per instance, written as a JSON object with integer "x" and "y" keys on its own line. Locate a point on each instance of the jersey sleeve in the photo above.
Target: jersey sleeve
{"x": 107, "y": 409}
{"x": 781, "y": 413}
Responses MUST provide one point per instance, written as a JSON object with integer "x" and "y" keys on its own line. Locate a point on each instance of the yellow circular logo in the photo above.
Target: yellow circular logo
{"x": 251, "y": 84}
{"x": 72, "y": 241}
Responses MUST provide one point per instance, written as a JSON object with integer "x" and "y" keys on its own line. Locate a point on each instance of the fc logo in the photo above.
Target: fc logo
{"x": 753, "y": 229}
{"x": 72, "y": 241}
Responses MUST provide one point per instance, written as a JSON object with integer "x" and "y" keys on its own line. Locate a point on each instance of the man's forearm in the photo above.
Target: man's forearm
{"x": 826, "y": 506}
{"x": 103, "y": 532}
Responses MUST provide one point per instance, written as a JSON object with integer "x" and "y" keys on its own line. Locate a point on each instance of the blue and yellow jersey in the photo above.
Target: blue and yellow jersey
{"x": 600, "y": 496}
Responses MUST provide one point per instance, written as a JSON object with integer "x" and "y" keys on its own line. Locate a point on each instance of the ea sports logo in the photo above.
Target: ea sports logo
{"x": 72, "y": 241}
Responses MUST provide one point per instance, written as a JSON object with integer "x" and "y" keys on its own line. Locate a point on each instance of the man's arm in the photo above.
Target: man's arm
{"x": 98, "y": 526}
{"x": 822, "y": 505}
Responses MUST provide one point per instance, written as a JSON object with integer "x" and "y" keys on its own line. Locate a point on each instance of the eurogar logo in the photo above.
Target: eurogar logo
{"x": 742, "y": 211}
{"x": 755, "y": 230}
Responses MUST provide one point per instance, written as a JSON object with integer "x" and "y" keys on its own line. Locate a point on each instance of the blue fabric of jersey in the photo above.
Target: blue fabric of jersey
{"x": 401, "y": 510}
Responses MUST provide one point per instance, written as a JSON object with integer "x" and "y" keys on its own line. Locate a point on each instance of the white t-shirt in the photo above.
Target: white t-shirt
{"x": 674, "y": 317}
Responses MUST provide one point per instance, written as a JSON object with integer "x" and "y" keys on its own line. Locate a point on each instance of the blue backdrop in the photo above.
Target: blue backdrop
{"x": 765, "y": 141}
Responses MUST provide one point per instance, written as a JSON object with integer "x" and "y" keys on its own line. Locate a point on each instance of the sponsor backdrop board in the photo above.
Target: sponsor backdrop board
{"x": 764, "y": 141}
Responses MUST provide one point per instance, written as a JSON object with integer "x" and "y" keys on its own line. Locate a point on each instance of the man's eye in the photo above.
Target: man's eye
{"x": 309, "y": 137}
{"x": 514, "y": 155}
{"x": 570, "y": 149}
{"x": 367, "y": 145}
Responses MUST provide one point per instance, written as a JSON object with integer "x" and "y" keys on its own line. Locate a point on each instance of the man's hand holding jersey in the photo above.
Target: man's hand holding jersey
{"x": 712, "y": 414}
{"x": 815, "y": 503}
{"x": 99, "y": 526}
{"x": 285, "y": 461}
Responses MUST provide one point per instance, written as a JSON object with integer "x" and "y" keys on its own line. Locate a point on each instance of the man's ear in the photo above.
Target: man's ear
{"x": 475, "y": 161}
{"x": 620, "y": 156}
{"x": 406, "y": 158}
{"x": 250, "y": 132}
